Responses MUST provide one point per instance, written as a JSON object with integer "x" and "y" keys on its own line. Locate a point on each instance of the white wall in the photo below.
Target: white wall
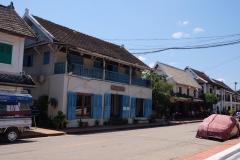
{"x": 17, "y": 56}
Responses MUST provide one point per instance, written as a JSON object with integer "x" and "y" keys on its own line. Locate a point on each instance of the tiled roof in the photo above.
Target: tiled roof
{"x": 222, "y": 84}
{"x": 12, "y": 23}
{"x": 76, "y": 39}
{"x": 202, "y": 75}
{"x": 178, "y": 75}
{"x": 16, "y": 79}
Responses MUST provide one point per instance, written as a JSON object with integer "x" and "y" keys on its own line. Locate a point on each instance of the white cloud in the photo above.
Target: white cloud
{"x": 198, "y": 30}
{"x": 221, "y": 79}
{"x": 183, "y": 23}
{"x": 178, "y": 35}
{"x": 141, "y": 58}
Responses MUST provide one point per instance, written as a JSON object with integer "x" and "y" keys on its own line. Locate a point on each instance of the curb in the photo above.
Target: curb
{"x": 226, "y": 153}
{"x": 123, "y": 128}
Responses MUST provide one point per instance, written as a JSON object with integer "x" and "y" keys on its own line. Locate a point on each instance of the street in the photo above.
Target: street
{"x": 171, "y": 142}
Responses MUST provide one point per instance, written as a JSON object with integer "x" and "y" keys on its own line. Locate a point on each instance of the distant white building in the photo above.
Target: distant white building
{"x": 185, "y": 93}
{"x": 227, "y": 98}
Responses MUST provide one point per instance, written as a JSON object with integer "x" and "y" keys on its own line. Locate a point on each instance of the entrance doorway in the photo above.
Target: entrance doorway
{"x": 116, "y": 105}
{"x": 139, "y": 107}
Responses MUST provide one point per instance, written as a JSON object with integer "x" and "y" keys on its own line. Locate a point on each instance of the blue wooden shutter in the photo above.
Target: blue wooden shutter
{"x": 133, "y": 107}
{"x": 46, "y": 57}
{"x": 125, "y": 107}
{"x": 6, "y": 53}
{"x": 96, "y": 106}
{"x": 147, "y": 108}
{"x": 71, "y": 105}
{"x": 107, "y": 106}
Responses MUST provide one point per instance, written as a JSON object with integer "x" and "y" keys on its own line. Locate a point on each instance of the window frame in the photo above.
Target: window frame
{"x": 46, "y": 57}
{"x": 9, "y": 62}
{"x": 84, "y": 105}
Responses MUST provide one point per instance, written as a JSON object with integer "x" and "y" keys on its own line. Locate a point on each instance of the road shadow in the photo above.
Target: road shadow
{"x": 20, "y": 141}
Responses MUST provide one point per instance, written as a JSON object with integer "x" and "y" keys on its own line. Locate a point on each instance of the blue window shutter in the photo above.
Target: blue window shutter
{"x": 71, "y": 105}
{"x": 125, "y": 107}
{"x": 107, "y": 106}
{"x": 46, "y": 57}
{"x": 96, "y": 106}
{"x": 147, "y": 108}
{"x": 133, "y": 107}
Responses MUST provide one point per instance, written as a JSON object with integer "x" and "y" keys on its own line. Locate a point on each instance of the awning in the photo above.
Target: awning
{"x": 13, "y": 97}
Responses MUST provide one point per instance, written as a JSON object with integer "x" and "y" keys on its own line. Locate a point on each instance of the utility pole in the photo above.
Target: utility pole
{"x": 236, "y": 86}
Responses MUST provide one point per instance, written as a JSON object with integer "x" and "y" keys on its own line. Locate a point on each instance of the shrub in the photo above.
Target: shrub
{"x": 59, "y": 121}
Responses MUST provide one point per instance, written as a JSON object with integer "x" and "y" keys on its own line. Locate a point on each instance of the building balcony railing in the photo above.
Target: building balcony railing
{"x": 97, "y": 73}
{"x": 59, "y": 68}
{"x": 141, "y": 82}
{"x": 117, "y": 77}
{"x": 91, "y": 72}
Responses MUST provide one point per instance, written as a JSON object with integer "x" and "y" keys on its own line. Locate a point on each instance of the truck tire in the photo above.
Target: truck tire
{"x": 11, "y": 135}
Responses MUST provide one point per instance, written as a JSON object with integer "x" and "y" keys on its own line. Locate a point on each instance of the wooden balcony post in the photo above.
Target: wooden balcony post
{"x": 104, "y": 69}
{"x": 130, "y": 72}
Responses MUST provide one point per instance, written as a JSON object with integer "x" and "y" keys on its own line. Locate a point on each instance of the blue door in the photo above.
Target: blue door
{"x": 147, "y": 105}
{"x": 97, "y": 106}
{"x": 71, "y": 105}
{"x": 107, "y": 106}
{"x": 133, "y": 107}
{"x": 125, "y": 107}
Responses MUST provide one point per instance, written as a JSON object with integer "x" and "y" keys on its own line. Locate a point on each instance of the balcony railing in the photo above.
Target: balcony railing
{"x": 59, "y": 68}
{"x": 117, "y": 77}
{"x": 140, "y": 82}
{"x": 91, "y": 72}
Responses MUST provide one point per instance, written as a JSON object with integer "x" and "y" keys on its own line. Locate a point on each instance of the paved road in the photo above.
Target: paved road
{"x": 163, "y": 143}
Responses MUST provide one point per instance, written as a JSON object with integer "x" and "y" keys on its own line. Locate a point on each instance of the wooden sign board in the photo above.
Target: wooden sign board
{"x": 117, "y": 88}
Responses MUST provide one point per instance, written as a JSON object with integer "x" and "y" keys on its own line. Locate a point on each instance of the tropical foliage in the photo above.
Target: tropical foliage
{"x": 161, "y": 92}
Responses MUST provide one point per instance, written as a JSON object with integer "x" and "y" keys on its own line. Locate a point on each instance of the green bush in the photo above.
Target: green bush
{"x": 59, "y": 121}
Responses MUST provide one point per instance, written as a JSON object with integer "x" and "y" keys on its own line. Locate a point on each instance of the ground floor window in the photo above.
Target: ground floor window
{"x": 139, "y": 107}
{"x": 84, "y": 103}
{"x": 115, "y": 106}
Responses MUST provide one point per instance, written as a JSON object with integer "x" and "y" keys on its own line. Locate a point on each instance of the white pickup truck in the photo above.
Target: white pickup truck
{"x": 12, "y": 127}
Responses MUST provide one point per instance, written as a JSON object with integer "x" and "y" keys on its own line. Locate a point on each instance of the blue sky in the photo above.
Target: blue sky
{"x": 150, "y": 19}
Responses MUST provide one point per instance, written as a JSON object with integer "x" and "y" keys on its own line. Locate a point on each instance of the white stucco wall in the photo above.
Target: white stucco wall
{"x": 17, "y": 54}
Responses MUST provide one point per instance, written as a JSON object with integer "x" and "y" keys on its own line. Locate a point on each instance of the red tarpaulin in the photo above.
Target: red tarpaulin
{"x": 218, "y": 126}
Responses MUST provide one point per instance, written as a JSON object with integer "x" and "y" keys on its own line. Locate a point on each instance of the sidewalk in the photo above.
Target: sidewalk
{"x": 212, "y": 151}
{"x": 99, "y": 129}
{"x": 41, "y": 132}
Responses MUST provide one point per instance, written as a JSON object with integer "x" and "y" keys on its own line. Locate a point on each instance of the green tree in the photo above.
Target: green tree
{"x": 161, "y": 93}
{"x": 210, "y": 99}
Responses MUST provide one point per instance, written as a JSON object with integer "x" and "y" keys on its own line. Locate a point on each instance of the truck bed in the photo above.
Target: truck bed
{"x": 23, "y": 122}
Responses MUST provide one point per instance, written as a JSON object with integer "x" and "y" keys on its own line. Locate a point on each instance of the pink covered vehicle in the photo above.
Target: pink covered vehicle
{"x": 218, "y": 126}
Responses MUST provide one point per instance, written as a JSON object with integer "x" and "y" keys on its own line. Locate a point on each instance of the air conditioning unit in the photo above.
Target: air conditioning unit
{"x": 41, "y": 79}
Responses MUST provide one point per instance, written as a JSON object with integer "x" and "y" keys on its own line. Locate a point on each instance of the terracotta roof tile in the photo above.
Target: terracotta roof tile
{"x": 16, "y": 79}
{"x": 74, "y": 38}
{"x": 11, "y": 22}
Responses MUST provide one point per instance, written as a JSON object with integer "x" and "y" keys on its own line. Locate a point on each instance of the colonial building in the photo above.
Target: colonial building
{"x": 186, "y": 91}
{"x": 91, "y": 79}
{"x": 13, "y": 82}
{"x": 227, "y": 98}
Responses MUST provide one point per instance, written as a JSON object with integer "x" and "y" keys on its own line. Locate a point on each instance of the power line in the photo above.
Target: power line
{"x": 172, "y": 39}
{"x": 210, "y": 45}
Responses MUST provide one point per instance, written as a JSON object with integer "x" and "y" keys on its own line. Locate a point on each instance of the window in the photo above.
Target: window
{"x": 6, "y": 53}
{"x": 28, "y": 60}
{"x": 195, "y": 93}
{"x": 83, "y": 108}
{"x": 46, "y": 57}
{"x": 180, "y": 90}
{"x": 188, "y": 92}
